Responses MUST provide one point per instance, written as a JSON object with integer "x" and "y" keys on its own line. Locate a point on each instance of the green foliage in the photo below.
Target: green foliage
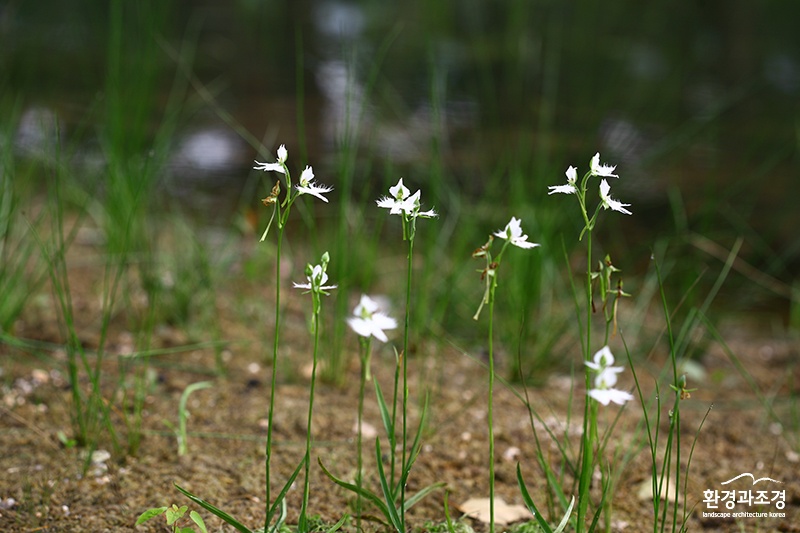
{"x": 459, "y": 526}
{"x": 392, "y": 501}
{"x": 540, "y": 520}
{"x": 173, "y": 515}
{"x": 21, "y": 269}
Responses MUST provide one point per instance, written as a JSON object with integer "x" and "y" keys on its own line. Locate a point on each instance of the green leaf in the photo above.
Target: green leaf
{"x": 415, "y": 447}
{"x": 365, "y": 493}
{"x": 282, "y": 494}
{"x": 386, "y": 417}
{"x": 197, "y": 519}
{"x": 565, "y": 520}
{"x": 388, "y": 495}
{"x": 422, "y": 493}
{"x": 150, "y": 513}
{"x": 526, "y": 497}
{"x": 269, "y": 224}
{"x": 175, "y": 513}
{"x": 338, "y": 524}
{"x": 214, "y": 510}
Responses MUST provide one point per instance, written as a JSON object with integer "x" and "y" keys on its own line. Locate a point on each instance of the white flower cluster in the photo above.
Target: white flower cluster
{"x": 307, "y": 184}
{"x": 595, "y": 169}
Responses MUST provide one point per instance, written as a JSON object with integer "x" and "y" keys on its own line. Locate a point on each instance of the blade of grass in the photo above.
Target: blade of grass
{"x": 238, "y": 526}
{"x": 365, "y": 493}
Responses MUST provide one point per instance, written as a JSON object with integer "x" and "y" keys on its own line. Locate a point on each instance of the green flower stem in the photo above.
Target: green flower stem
{"x": 589, "y": 415}
{"x": 302, "y": 523}
{"x": 409, "y": 231}
{"x": 393, "y": 435}
{"x": 490, "y": 418}
{"x": 282, "y": 216}
{"x": 274, "y": 378}
{"x": 491, "y": 402}
{"x": 366, "y": 347}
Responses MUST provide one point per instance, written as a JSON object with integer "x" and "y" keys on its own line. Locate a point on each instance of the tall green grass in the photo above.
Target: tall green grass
{"x": 21, "y": 268}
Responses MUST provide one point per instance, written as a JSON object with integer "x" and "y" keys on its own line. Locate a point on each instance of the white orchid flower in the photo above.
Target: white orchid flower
{"x": 308, "y": 186}
{"x": 513, "y": 233}
{"x": 316, "y": 280}
{"x": 605, "y": 396}
{"x": 604, "y": 391}
{"x": 598, "y": 169}
{"x": 602, "y": 359}
{"x": 368, "y": 320}
{"x": 399, "y": 191}
{"x": 569, "y": 188}
{"x": 610, "y": 203}
{"x": 401, "y": 203}
{"x": 278, "y": 165}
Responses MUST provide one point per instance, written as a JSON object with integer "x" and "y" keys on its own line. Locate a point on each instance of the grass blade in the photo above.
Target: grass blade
{"x": 335, "y": 527}
{"x": 422, "y": 493}
{"x": 386, "y": 417}
{"x": 214, "y": 510}
{"x": 284, "y": 490}
{"x": 394, "y": 518}
{"x": 526, "y": 497}
{"x": 365, "y": 493}
{"x": 565, "y": 520}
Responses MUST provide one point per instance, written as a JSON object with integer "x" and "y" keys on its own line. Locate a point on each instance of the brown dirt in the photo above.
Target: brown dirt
{"x": 225, "y": 463}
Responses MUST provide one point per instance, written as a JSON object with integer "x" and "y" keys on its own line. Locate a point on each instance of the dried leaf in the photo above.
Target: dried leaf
{"x": 645, "y": 490}
{"x": 478, "y": 508}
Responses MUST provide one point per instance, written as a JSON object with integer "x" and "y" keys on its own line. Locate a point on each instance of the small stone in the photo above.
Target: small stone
{"x": 512, "y": 453}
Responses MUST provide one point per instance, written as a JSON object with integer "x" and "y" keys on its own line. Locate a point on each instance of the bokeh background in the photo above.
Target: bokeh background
{"x": 481, "y": 103}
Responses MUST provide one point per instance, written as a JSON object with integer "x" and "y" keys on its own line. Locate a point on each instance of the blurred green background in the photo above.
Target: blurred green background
{"x": 480, "y": 103}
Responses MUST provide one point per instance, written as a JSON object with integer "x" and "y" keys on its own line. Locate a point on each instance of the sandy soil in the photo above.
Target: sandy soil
{"x": 44, "y": 486}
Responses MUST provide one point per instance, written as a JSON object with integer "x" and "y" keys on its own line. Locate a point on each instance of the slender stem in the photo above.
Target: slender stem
{"x": 273, "y": 383}
{"x": 404, "y": 473}
{"x": 491, "y": 404}
{"x": 301, "y": 526}
{"x": 365, "y": 352}
{"x": 393, "y": 435}
{"x": 589, "y": 420}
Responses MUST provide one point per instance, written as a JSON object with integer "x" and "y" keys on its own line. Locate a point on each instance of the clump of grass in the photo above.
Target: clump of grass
{"x": 89, "y": 412}
{"x": 21, "y": 269}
